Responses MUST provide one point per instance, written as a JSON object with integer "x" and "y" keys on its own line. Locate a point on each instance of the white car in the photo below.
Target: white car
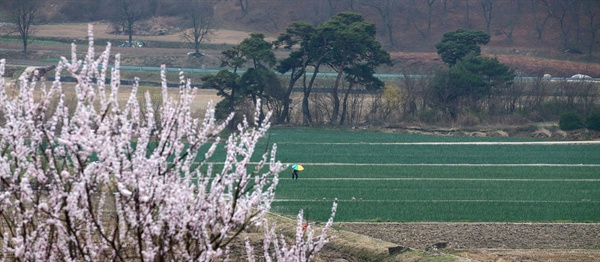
{"x": 580, "y": 76}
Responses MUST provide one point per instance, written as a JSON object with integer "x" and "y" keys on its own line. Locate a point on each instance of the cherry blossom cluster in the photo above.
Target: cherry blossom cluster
{"x": 87, "y": 178}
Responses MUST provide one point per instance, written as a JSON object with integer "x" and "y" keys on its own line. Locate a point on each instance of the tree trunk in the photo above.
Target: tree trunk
{"x": 130, "y": 32}
{"x": 25, "y": 43}
{"x": 429, "y": 16}
{"x": 487, "y": 8}
{"x": 336, "y": 100}
{"x": 244, "y": 7}
{"x": 591, "y": 15}
{"x": 306, "y": 119}
{"x": 345, "y": 105}
{"x": 467, "y": 15}
{"x": 284, "y": 117}
{"x": 197, "y": 44}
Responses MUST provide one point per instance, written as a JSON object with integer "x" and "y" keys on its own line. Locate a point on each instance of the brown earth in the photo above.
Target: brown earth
{"x": 147, "y": 56}
{"x": 80, "y": 31}
{"x": 471, "y": 241}
{"x": 493, "y": 241}
{"x": 528, "y": 64}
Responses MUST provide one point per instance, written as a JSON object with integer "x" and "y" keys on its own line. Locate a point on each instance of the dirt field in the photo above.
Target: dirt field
{"x": 80, "y": 31}
{"x": 475, "y": 241}
{"x": 494, "y": 241}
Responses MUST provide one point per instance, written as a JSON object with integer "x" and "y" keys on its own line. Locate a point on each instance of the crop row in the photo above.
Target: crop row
{"x": 394, "y": 177}
{"x": 445, "y": 211}
{"x": 442, "y": 154}
{"x": 340, "y": 171}
{"x": 382, "y": 148}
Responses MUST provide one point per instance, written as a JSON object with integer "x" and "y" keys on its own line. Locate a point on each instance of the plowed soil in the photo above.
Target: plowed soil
{"x": 493, "y": 241}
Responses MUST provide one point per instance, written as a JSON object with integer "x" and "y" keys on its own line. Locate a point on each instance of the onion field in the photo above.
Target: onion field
{"x": 378, "y": 176}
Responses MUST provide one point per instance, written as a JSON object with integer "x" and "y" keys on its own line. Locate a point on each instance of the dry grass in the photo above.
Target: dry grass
{"x": 201, "y": 100}
{"x": 80, "y": 31}
{"x": 554, "y": 67}
{"x": 528, "y": 64}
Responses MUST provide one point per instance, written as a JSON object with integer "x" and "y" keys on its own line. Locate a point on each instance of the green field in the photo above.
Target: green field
{"x": 41, "y": 42}
{"x": 398, "y": 177}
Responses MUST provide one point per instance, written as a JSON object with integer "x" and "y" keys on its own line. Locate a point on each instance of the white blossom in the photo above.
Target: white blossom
{"x": 97, "y": 181}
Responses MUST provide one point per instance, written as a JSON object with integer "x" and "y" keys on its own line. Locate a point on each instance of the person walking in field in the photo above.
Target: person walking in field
{"x": 295, "y": 169}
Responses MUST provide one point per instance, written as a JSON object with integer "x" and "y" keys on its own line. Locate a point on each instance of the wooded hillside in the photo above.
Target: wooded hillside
{"x": 536, "y": 27}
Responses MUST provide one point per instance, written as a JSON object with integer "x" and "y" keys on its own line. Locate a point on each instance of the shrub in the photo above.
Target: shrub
{"x": 469, "y": 119}
{"x": 112, "y": 183}
{"x": 431, "y": 116}
{"x": 593, "y": 122}
{"x": 570, "y": 121}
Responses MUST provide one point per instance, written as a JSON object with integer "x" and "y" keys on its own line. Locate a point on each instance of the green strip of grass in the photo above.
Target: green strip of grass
{"x": 431, "y": 211}
{"x": 318, "y": 146}
{"x": 440, "y": 190}
{"x": 51, "y": 60}
{"x": 441, "y": 154}
{"x": 35, "y": 41}
{"x": 445, "y": 199}
{"x": 312, "y": 135}
{"x": 472, "y": 172}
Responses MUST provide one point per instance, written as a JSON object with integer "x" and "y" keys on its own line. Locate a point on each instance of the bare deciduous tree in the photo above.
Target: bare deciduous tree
{"x": 468, "y": 23}
{"x": 128, "y": 13}
{"x": 444, "y": 17}
{"x": 487, "y": 8}
{"x": 540, "y": 18}
{"x": 244, "y": 6}
{"x": 421, "y": 20}
{"x": 22, "y": 14}
{"x": 592, "y": 17}
{"x": 388, "y": 10}
{"x": 559, "y": 10}
{"x": 510, "y": 18}
{"x": 199, "y": 17}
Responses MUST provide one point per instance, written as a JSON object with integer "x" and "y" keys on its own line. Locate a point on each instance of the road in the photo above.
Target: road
{"x": 321, "y": 74}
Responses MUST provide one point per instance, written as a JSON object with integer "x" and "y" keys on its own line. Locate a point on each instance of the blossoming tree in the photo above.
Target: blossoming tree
{"x": 100, "y": 181}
